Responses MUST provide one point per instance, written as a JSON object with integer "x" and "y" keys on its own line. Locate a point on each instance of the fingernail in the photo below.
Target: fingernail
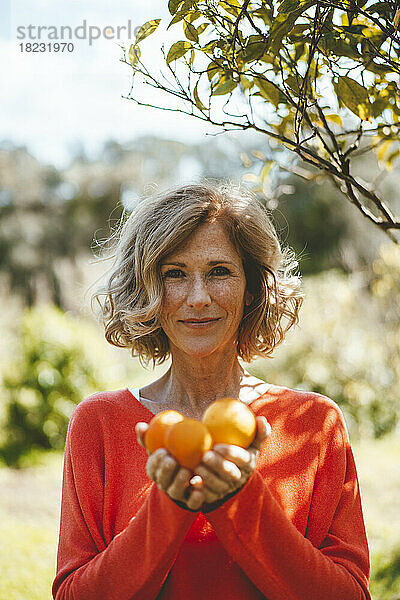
{"x": 207, "y": 456}
{"x": 196, "y": 480}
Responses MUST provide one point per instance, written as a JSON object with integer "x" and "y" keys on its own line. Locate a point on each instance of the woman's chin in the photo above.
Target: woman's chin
{"x": 202, "y": 351}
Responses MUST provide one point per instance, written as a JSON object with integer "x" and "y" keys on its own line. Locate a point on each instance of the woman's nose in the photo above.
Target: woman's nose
{"x": 198, "y": 295}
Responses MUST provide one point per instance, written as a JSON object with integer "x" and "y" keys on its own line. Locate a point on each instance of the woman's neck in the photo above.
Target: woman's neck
{"x": 191, "y": 385}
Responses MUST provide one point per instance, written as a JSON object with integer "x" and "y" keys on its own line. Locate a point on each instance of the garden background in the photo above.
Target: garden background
{"x": 53, "y": 353}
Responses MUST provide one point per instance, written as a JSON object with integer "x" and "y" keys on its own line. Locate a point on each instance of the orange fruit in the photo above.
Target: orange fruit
{"x": 230, "y": 421}
{"x": 154, "y": 437}
{"x": 187, "y": 441}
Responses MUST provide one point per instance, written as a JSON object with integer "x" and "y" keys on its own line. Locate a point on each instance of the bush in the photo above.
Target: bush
{"x": 56, "y": 367}
{"x": 385, "y": 577}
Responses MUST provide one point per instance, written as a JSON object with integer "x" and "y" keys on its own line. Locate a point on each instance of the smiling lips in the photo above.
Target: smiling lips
{"x": 198, "y": 322}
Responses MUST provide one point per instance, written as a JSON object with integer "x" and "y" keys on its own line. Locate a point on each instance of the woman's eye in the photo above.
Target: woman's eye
{"x": 220, "y": 271}
{"x": 173, "y": 273}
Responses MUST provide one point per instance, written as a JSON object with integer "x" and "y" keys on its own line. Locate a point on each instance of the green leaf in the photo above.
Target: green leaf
{"x": 334, "y": 118}
{"x": 396, "y": 18}
{"x": 224, "y": 88}
{"x": 379, "y": 105}
{"x": 352, "y": 94}
{"x": 299, "y": 51}
{"x": 339, "y": 46}
{"x": 134, "y": 55}
{"x": 173, "y": 6}
{"x": 185, "y": 10}
{"x": 202, "y": 28}
{"x": 382, "y": 8}
{"x": 264, "y": 14}
{"x": 199, "y": 103}
{"x": 178, "y": 50}
{"x": 287, "y": 6}
{"x": 147, "y": 29}
{"x": 267, "y": 90}
{"x": 184, "y": 5}
{"x": 246, "y": 83}
{"x": 178, "y": 17}
{"x": 255, "y": 48}
{"x": 395, "y": 110}
{"x": 193, "y": 15}
{"x": 212, "y": 69}
{"x": 294, "y": 83}
{"x": 283, "y": 24}
{"x": 210, "y": 46}
{"x": 231, "y": 6}
{"x": 190, "y": 31}
{"x": 370, "y": 65}
{"x": 298, "y": 30}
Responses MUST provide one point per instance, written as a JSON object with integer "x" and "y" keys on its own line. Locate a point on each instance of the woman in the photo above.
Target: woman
{"x": 200, "y": 277}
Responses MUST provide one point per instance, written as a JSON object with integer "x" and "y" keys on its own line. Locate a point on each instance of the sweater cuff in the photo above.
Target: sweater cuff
{"x": 173, "y": 507}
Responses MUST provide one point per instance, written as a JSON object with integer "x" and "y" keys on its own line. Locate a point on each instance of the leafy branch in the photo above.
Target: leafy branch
{"x": 320, "y": 77}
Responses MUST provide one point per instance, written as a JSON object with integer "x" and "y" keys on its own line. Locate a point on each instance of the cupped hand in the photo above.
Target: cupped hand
{"x": 170, "y": 476}
{"x": 226, "y": 468}
{"x": 222, "y": 471}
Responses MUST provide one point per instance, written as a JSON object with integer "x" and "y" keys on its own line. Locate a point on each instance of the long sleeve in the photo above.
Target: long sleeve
{"x": 94, "y": 562}
{"x": 295, "y": 530}
{"x": 329, "y": 562}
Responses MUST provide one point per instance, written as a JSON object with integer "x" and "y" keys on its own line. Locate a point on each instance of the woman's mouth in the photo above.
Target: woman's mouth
{"x": 199, "y": 322}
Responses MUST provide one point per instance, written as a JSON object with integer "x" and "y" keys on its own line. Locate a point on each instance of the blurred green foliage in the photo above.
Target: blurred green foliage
{"x": 348, "y": 345}
{"x": 316, "y": 229}
{"x": 385, "y": 579}
{"x": 61, "y": 358}
{"x": 54, "y": 369}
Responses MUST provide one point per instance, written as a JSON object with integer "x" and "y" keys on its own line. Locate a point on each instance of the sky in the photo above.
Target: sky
{"x": 55, "y": 103}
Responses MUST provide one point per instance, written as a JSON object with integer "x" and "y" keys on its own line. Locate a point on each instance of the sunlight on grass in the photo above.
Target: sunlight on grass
{"x": 377, "y": 464}
{"x": 27, "y": 559}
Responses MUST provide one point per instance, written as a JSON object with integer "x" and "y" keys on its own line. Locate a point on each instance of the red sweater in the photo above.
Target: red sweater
{"x": 295, "y": 531}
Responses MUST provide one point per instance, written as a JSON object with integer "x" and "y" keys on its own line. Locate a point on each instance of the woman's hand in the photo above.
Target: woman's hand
{"x": 170, "y": 477}
{"x": 223, "y": 470}
{"x": 226, "y": 468}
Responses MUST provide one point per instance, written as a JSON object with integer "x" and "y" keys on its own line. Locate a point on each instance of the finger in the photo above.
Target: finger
{"x": 165, "y": 474}
{"x": 262, "y": 432}
{"x": 154, "y": 462}
{"x": 180, "y": 484}
{"x": 196, "y": 499}
{"x": 141, "y": 429}
{"x": 210, "y": 496}
{"x": 214, "y": 483}
{"x": 196, "y": 481}
{"x": 227, "y": 452}
{"x": 225, "y": 468}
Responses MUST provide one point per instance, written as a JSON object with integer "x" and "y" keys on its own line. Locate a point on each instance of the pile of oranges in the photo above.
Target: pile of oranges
{"x": 226, "y": 421}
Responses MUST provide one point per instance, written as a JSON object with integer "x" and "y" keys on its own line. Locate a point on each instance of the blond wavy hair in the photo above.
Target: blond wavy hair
{"x": 131, "y": 299}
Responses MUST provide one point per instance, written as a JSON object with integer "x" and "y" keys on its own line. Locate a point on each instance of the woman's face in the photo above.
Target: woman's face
{"x": 204, "y": 293}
